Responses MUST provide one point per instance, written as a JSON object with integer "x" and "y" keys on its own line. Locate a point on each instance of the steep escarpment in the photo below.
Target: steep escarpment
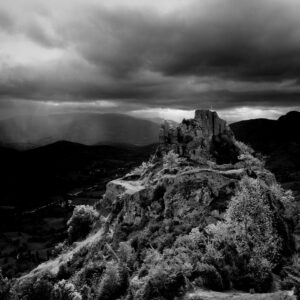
{"x": 201, "y": 213}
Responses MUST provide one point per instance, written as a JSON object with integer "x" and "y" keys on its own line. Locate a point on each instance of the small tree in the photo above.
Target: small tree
{"x": 163, "y": 275}
{"x": 81, "y": 222}
{"x": 249, "y": 219}
{"x": 64, "y": 290}
{"x": 114, "y": 282}
{"x": 171, "y": 160}
{"x": 249, "y": 229}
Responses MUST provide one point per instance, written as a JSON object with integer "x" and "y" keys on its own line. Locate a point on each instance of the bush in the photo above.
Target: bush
{"x": 114, "y": 282}
{"x": 41, "y": 289}
{"x": 142, "y": 169}
{"x": 250, "y": 221}
{"x": 207, "y": 276}
{"x": 286, "y": 198}
{"x": 35, "y": 288}
{"x": 59, "y": 248}
{"x": 81, "y": 222}
{"x": 193, "y": 241}
{"x": 64, "y": 290}
{"x": 92, "y": 272}
{"x": 164, "y": 285}
{"x": 248, "y": 231}
{"x": 163, "y": 276}
{"x": 251, "y": 162}
{"x": 127, "y": 255}
{"x": 171, "y": 160}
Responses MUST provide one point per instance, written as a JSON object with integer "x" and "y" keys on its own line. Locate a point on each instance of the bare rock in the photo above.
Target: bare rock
{"x": 204, "y": 137}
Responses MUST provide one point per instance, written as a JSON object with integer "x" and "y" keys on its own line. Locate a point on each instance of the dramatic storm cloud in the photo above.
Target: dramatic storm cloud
{"x": 152, "y": 56}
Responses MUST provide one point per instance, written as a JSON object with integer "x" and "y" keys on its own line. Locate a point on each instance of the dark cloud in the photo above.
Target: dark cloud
{"x": 37, "y": 32}
{"x": 259, "y": 40}
{"x": 6, "y": 23}
{"x": 222, "y": 53}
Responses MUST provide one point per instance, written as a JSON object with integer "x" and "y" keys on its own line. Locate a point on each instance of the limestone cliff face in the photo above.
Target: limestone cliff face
{"x": 210, "y": 123}
{"x": 204, "y": 137}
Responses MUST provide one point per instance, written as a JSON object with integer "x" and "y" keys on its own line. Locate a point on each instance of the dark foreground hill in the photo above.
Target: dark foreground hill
{"x": 265, "y": 134}
{"x": 279, "y": 140}
{"x": 30, "y": 177}
{"x": 27, "y": 132}
{"x": 203, "y": 213}
{"x": 39, "y": 188}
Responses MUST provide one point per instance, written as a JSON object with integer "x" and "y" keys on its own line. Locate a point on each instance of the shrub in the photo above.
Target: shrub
{"x": 64, "y": 290}
{"x": 171, "y": 160}
{"x": 164, "y": 285}
{"x": 92, "y": 272}
{"x": 251, "y": 162}
{"x": 81, "y": 222}
{"x": 250, "y": 221}
{"x": 114, "y": 282}
{"x": 175, "y": 260}
{"x": 247, "y": 230}
{"x": 59, "y": 248}
{"x": 163, "y": 275}
{"x": 193, "y": 241}
{"x": 34, "y": 288}
{"x": 142, "y": 169}
{"x": 41, "y": 289}
{"x": 207, "y": 276}
{"x": 126, "y": 254}
{"x": 286, "y": 198}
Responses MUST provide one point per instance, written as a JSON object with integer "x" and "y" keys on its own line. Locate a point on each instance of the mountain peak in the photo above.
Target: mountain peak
{"x": 210, "y": 122}
{"x": 206, "y": 136}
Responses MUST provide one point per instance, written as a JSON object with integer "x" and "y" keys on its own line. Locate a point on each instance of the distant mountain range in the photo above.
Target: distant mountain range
{"x": 279, "y": 140}
{"x": 27, "y": 132}
{"x": 265, "y": 134}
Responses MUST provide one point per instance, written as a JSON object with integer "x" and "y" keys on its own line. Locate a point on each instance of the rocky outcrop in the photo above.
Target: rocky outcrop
{"x": 204, "y": 137}
{"x": 164, "y": 212}
{"x": 210, "y": 123}
{"x": 189, "y": 197}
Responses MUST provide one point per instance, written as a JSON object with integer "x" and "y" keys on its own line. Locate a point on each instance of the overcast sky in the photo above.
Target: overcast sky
{"x": 150, "y": 58}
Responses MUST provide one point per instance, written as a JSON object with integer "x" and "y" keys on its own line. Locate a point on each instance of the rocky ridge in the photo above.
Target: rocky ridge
{"x": 204, "y": 137}
{"x": 161, "y": 213}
